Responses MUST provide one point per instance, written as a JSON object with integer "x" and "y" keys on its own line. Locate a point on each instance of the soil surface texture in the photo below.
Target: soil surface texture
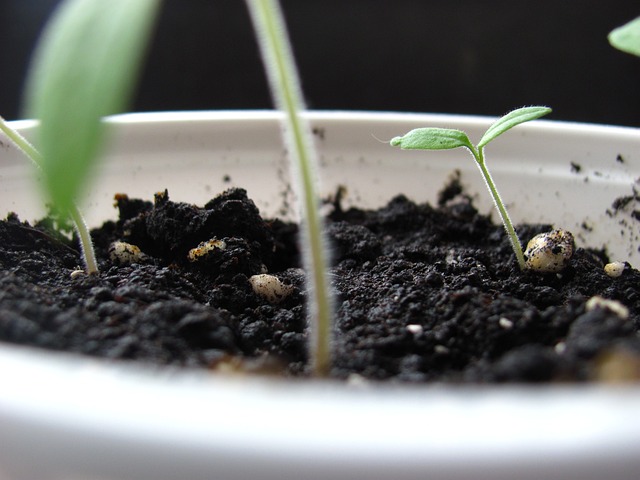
{"x": 423, "y": 294}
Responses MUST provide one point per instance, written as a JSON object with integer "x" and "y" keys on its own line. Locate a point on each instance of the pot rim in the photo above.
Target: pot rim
{"x": 350, "y": 115}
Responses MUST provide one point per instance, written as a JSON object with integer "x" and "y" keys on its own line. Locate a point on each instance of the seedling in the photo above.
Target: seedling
{"x": 83, "y": 69}
{"x": 88, "y": 254}
{"x": 627, "y": 37}
{"x": 287, "y": 95}
{"x": 446, "y": 139}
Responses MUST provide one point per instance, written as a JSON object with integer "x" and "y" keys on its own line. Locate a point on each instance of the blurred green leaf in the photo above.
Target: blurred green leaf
{"x": 627, "y": 37}
{"x": 84, "y": 68}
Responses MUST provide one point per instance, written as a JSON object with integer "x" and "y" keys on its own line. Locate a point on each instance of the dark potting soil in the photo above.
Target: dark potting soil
{"x": 423, "y": 294}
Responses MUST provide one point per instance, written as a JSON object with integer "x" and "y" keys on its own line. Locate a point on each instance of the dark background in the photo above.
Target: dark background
{"x": 459, "y": 56}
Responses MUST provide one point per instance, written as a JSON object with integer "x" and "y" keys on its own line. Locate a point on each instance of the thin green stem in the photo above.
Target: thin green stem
{"x": 22, "y": 143}
{"x": 504, "y": 215}
{"x": 287, "y": 94}
{"x": 88, "y": 254}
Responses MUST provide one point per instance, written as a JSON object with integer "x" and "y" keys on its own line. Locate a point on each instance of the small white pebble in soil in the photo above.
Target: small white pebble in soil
{"x": 270, "y": 287}
{"x": 505, "y": 323}
{"x": 356, "y": 380}
{"x": 550, "y": 252}
{"x": 450, "y": 257}
{"x": 125, "y": 253}
{"x": 560, "y": 348}
{"x": 614, "y": 269}
{"x": 441, "y": 349}
{"x": 205, "y": 248}
{"x": 414, "y": 328}
{"x": 77, "y": 273}
{"x": 611, "y": 305}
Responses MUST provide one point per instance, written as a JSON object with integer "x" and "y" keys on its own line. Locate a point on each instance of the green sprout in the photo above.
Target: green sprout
{"x": 84, "y": 68}
{"x": 86, "y": 245}
{"x": 287, "y": 94}
{"x": 627, "y": 37}
{"x": 446, "y": 139}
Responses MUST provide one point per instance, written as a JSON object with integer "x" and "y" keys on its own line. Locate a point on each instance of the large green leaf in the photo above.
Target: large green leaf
{"x": 510, "y": 120}
{"x": 84, "y": 68}
{"x": 432, "y": 139}
{"x": 627, "y": 37}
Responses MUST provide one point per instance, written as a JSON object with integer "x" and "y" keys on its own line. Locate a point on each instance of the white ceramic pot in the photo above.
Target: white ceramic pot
{"x": 69, "y": 417}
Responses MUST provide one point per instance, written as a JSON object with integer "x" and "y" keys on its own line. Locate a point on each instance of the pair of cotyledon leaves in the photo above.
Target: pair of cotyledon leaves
{"x": 431, "y": 138}
{"x": 625, "y": 38}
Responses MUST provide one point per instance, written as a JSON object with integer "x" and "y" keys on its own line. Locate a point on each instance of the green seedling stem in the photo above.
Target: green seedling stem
{"x": 83, "y": 68}
{"x": 502, "y": 210}
{"x": 445, "y": 139}
{"x": 287, "y": 94}
{"x": 88, "y": 254}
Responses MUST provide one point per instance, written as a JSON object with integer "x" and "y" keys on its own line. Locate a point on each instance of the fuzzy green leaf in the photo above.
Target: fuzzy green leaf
{"x": 432, "y": 139}
{"x": 83, "y": 69}
{"x": 627, "y": 37}
{"x": 510, "y": 120}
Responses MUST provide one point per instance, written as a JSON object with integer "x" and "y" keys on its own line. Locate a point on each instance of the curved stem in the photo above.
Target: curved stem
{"x": 88, "y": 254}
{"x": 22, "y": 143}
{"x": 504, "y": 215}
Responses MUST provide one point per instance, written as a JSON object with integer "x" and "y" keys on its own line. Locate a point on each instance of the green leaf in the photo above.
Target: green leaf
{"x": 627, "y": 37}
{"x": 510, "y": 120}
{"x": 83, "y": 68}
{"x": 432, "y": 139}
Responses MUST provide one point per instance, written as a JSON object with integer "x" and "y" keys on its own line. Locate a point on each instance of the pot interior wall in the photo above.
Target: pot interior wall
{"x": 568, "y": 175}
